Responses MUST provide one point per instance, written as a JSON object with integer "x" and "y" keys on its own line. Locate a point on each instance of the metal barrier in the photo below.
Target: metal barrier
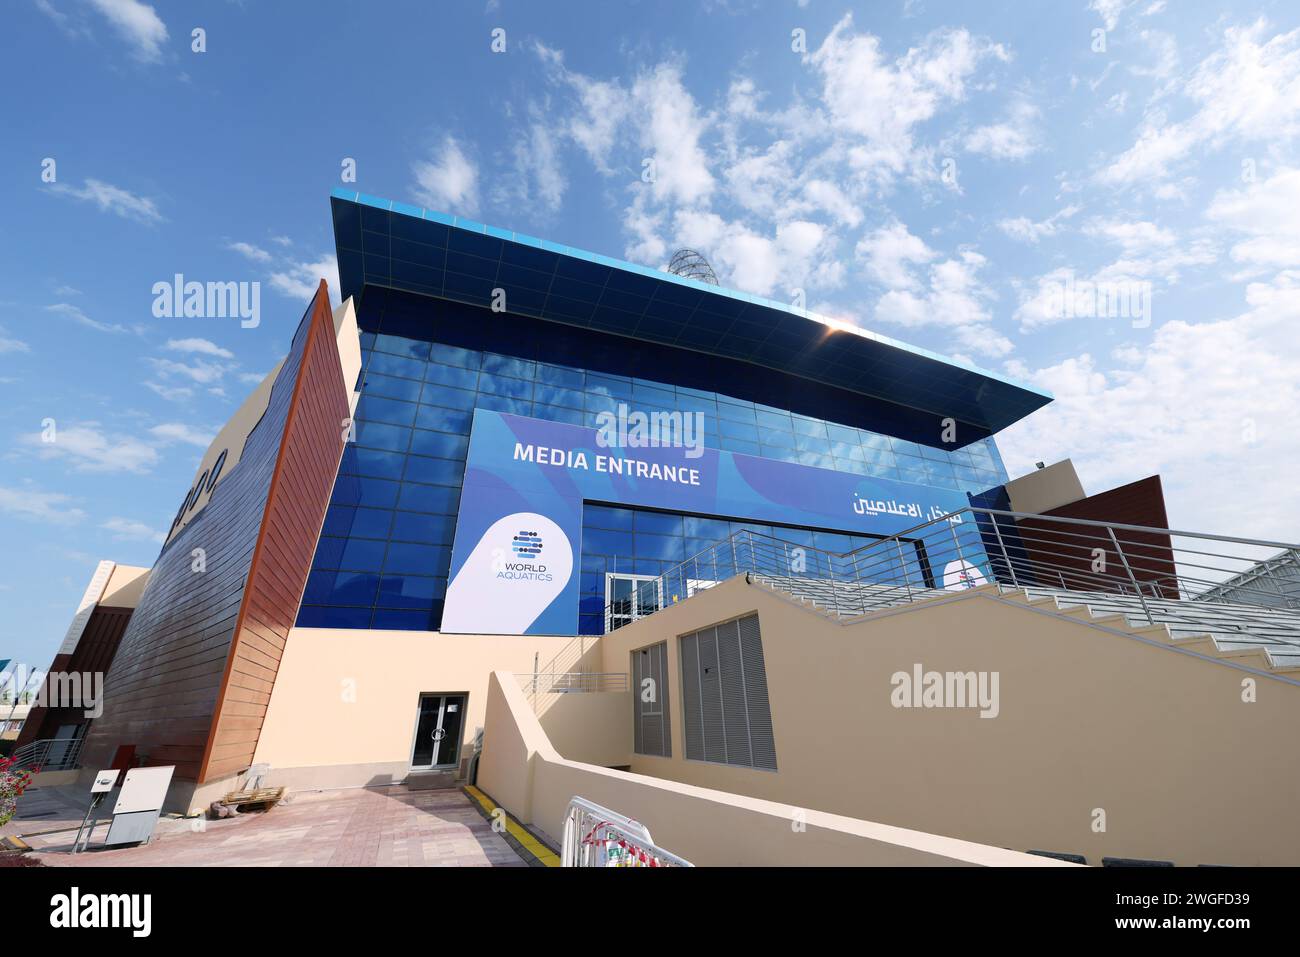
{"x": 595, "y": 836}
{"x": 1150, "y": 574}
{"x": 48, "y": 754}
{"x": 538, "y": 684}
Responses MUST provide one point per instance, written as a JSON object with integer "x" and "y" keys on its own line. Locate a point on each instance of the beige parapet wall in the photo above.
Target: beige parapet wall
{"x": 1092, "y": 720}
{"x": 343, "y": 709}
{"x": 524, "y": 773}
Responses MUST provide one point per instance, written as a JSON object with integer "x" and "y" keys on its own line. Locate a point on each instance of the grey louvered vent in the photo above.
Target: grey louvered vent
{"x": 724, "y": 696}
{"x": 650, "y": 723}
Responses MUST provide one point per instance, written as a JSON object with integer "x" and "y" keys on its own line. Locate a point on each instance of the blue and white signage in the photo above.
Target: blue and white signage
{"x": 518, "y": 534}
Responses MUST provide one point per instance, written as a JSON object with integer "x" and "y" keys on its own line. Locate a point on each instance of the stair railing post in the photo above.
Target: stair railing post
{"x": 1002, "y": 546}
{"x": 1131, "y": 577}
{"x": 902, "y": 564}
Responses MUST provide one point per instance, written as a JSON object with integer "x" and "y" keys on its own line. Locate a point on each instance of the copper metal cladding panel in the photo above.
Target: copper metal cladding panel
{"x": 93, "y": 655}
{"x": 1068, "y": 548}
{"x": 165, "y": 686}
{"x": 300, "y": 492}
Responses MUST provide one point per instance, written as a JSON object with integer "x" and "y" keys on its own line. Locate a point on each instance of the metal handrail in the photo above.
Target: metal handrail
{"x": 1158, "y": 568}
{"x": 48, "y": 754}
{"x": 595, "y": 836}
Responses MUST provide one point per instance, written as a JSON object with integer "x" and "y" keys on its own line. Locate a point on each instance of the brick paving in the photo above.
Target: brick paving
{"x": 370, "y": 827}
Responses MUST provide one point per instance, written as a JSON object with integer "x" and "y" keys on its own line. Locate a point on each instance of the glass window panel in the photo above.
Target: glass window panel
{"x": 454, "y": 356}
{"x": 380, "y": 435}
{"x": 444, "y": 395}
{"x": 777, "y": 421}
{"x": 451, "y": 375}
{"x": 501, "y": 403}
{"x": 509, "y": 365}
{"x": 561, "y": 376}
{"x": 420, "y": 468}
{"x": 602, "y": 516}
{"x": 557, "y": 414}
{"x": 604, "y": 541}
{"x": 737, "y": 430}
{"x": 410, "y": 591}
{"x": 658, "y": 522}
{"x": 501, "y": 385}
{"x": 416, "y": 559}
{"x": 442, "y": 420}
{"x": 439, "y": 444}
{"x": 395, "y": 619}
{"x": 318, "y": 616}
{"x": 374, "y": 408}
{"x": 402, "y": 346}
{"x": 371, "y": 523}
{"x": 363, "y": 555}
{"x": 391, "y": 387}
{"x": 438, "y": 499}
{"x": 711, "y": 528}
{"x": 668, "y": 548}
{"x": 419, "y": 527}
{"x": 376, "y": 463}
{"x": 385, "y": 364}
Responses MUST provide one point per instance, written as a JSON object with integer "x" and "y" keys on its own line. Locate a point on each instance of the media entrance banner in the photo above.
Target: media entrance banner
{"x": 518, "y": 535}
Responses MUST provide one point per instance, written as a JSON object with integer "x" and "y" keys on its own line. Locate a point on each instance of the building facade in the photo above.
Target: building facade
{"x": 468, "y": 332}
{"x": 496, "y": 447}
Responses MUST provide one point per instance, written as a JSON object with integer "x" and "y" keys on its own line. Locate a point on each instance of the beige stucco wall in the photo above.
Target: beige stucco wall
{"x": 125, "y": 586}
{"x": 591, "y": 727}
{"x": 1157, "y": 738}
{"x": 344, "y": 706}
{"x": 523, "y": 772}
{"x": 1046, "y": 488}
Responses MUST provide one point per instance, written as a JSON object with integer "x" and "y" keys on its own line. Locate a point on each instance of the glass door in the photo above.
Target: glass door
{"x": 629, "y": 597}
{"x": 438, "y": 731}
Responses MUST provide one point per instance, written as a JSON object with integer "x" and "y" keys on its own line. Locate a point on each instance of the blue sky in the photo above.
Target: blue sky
{"x": 935, "y": 172}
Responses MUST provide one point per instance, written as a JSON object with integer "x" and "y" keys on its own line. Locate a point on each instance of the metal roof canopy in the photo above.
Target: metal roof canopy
{"x": 385, "y": 243}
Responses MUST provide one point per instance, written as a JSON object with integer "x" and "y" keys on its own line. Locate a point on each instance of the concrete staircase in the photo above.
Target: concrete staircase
{"x": 1263, "y": 638}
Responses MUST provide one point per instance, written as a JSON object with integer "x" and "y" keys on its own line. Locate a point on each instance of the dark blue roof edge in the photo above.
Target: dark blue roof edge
{"x": 461, "y": 222}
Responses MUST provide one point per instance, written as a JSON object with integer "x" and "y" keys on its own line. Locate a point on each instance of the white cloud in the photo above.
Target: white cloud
{"x": 170, "y": 393}
{"x": 169, "y": 432}
{"x": 300, "y": 280}
{"x": 89, "y": 448}
{"x": 203, "y": 346}
{"x": 1132, "y": 237}
{"x": 448, "y": 182}
{"x": 1109, "y": 10}
{"x": 1247, "y": 90}
{"x": 954, "y": 299}
{"x": 254, "y": 253}
{"x": 670, "y": 128}
{"x": 127, "y": 530}
{"x": 1015, "y": 138}
{"x": 79, "y": 317}
{"x": 138, "y": 24}
{"x": 112, "y": 199}
{"x": 8, "y": 344}
{"x": 201, "y": 371}
{"x": 891, "y": 253}
{"x": 792, "y": 257}
{"x": 1264, "y": 214}
{"x": 1209, "y": 405}
{"x": 35, "y": 505}
{"x": 876, "y": 103}
{"x": 602, "y": 108}
{"x": 1030, "y": 231}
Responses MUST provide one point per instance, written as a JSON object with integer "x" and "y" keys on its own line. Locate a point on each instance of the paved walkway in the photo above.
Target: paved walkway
{"x": 370, "y": 827}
